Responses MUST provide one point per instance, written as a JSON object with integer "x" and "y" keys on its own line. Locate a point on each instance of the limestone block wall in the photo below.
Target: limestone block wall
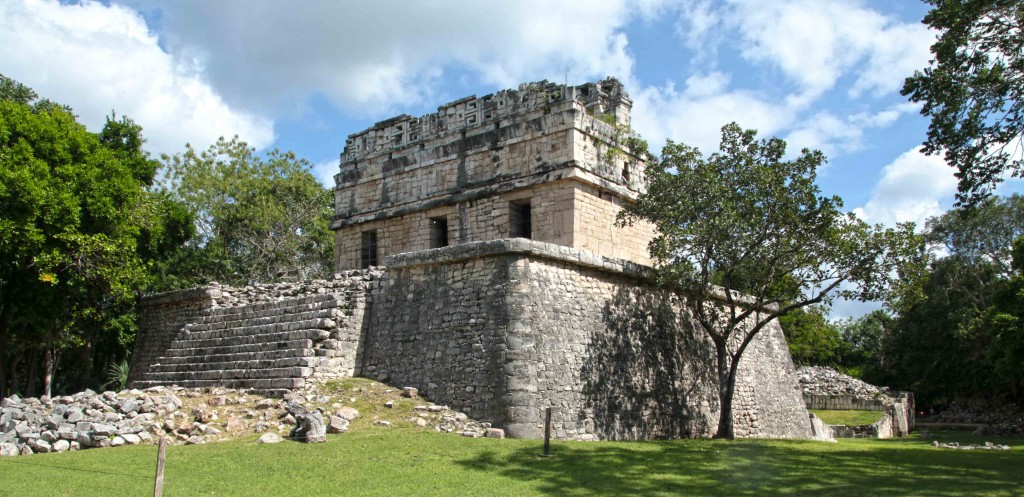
{"x": 594, "y": 214}
{"x": 161, "y": 317}
{"x": 466, "y": 162}
{"x": 504, "y": 329}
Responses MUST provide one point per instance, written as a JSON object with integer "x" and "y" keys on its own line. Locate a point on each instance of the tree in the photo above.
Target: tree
{"x": 813, "y": 341}
{"x": 258, "y": 219}
{"x": 744, "y": 238}
{"x": 956, "y": 329}
{"x": 866, "y": 340}
{"x": 984, "y": 233}
{"x": 973, "y": 91}
{"x": 74, "y": 208}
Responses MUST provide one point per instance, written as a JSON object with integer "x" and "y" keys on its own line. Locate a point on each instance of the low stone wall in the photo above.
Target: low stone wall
{"x": 161, "y": 318}
{"x": 844, "y": 402}
{"x": 897, "y": 421}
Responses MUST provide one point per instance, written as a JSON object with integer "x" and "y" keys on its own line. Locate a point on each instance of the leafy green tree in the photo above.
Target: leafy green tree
{"x": 813, "y": 341}
{"x": 73, "y": 210}
{"x": 983, "y": 234}
{"x": 258, "y": 219}
{"x": 1004, "y": 321}
{"x": 745, "y": 238}
{"x": 973, "y": 91}
{"x": 952, "y": 329}
{"x": 866, "y": 339}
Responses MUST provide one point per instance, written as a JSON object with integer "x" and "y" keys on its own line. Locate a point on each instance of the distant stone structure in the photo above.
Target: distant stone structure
{"x": 506, "y": 286}
{"x": 827, "y": 389}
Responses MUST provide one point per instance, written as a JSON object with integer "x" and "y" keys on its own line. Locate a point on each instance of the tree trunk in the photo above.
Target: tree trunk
{"x": 15, "y": 383}
{"x": 49, "y": 366}
{"x": 3, "y": 369}
{"x": 33, "y": 373}
{"x": 4, "y": 348}
{"x": 726, "y": 387}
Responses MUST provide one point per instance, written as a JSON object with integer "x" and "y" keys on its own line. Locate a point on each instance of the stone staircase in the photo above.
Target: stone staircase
{"x": 270, "y": 346}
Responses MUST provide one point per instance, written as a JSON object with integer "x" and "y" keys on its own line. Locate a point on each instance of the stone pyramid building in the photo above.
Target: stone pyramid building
{"x": 479, "y": 261}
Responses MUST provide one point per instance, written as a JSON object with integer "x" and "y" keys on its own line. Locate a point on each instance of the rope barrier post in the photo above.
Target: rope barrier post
{"x": 547, "y": 433}
{"x": 161, "y": 458}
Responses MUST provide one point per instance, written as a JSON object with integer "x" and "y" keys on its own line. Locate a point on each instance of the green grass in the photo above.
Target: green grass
{"x": 848, "y": 418}
{"x": 399, "y": 461}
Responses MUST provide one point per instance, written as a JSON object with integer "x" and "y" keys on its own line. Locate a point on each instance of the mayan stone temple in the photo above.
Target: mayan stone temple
{"x": 478, "y": 260}
{"x": 543, "y": 162}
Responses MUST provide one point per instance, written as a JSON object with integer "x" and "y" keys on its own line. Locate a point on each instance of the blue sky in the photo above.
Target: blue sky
{"x": 302, "y": 76}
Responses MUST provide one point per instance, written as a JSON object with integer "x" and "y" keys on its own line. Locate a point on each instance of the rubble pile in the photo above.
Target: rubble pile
{"x": 999, "y": 418}
{"x": 957, "y": 446}
{"x": 821, "y": 380}
{"x": 195, "y": 416}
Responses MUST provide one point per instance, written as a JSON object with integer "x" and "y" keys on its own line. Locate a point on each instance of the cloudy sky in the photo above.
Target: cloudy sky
{"x": 303, "y": 75}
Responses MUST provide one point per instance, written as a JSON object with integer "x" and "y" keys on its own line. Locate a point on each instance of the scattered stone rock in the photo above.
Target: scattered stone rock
{"x": 269, "y": 438}
{"x": 495, "y": 433}
{"x": 957, "y": 446}
{"x": 309, "y": 428}
{"x": 410, "y": 392}
{"x": 348, "y": 413}
{"x": 338, "y": 424}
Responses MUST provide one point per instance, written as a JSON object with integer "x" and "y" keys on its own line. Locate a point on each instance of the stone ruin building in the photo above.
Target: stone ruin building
{"x": 479, "y": 261}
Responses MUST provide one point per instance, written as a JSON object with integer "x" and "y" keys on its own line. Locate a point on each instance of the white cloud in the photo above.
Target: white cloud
{"x": 815, "y": 42}
{"x": 373, "y": 57}
{"x": 696, "y": 114}
{"x": 836, "y": 135}
{"x": 99, "y": 58}
{"x": 325, "y": 171}
{"x": 913, "y": 187}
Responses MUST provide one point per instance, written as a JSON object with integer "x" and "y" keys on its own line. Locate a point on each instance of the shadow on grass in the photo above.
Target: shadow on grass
{"x": 706, "y": 467}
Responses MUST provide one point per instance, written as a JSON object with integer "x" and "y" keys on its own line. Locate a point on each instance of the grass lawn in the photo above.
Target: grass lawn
{"x": 406, "y": 462}
{"x": 848, "y": 418}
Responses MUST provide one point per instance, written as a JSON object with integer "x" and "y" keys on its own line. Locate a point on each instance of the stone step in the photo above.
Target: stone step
{"x": 235, "y": 349}
{"x": 237, "y": 356}
{"x": 261, "y": 384}
{"x": 187, "y": 341}
{"x": 229, "y": 374}
{"x": 209, "y": 365}
{"x": 259, "y": 309}
{"x": 323, "y": 318}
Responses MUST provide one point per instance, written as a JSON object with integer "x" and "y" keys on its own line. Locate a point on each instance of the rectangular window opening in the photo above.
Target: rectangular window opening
{"x": 368, "y": 251}
{"x": 438, "y": 232}
{"x": 520, "y": 225}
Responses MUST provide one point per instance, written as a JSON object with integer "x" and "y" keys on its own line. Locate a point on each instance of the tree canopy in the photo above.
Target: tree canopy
{"x": 78, "y": 230}
{"x": 745, "y": 237}
{"x": 258, "y": 219}
{"x": 973, "y": 91}
{"x": 959, "y": 322}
